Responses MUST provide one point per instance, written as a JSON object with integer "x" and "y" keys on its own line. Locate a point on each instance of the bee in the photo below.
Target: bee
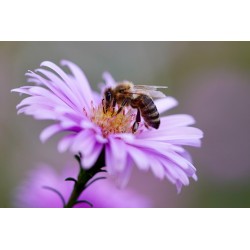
{"x": 138, "y": 97}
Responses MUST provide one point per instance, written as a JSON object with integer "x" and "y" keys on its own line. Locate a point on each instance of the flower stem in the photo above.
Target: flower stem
{"x": 84, "y": 176}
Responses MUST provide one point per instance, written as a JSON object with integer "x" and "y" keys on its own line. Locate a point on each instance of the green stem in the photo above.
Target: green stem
{"x": 83, "y": 178}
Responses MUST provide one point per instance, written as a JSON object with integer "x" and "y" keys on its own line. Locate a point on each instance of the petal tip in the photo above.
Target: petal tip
{"x": 64, "y": 62}
{"x": 46, "y": 64}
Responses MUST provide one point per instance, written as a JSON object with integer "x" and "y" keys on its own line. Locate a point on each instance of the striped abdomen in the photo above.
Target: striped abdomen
{"x": 148, "y": 110}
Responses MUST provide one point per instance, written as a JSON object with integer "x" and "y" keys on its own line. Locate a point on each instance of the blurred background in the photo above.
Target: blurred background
{"x": 210, "y": 80}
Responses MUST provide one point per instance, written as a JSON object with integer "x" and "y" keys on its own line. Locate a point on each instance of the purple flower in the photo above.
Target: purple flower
{"x": 76, "y": 109}
{"x": 102, "y": 193}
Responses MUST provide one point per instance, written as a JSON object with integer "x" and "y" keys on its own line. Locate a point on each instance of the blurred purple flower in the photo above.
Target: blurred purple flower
{"x": 69, "y": 100}
{"x": 102, "y": 193}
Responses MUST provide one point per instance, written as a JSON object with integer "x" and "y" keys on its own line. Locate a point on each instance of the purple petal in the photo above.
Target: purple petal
{"x": 179, "y": 136}
{"x": 139, "y": 157}
{"x": 65, "y": 143}
{"x": 64, "y": 91}
{"x": 186, "y": 155}
{"x": 58, "y": 70}
{"x": 123, "y": 177}
{"x": 49, "y": 131}
{"x": 151, "y": 146}
{"x": 109, "y": 80}
{"x": 88, "y": 145}
{"x": 22, "y": 90}
{"x": 110, "y": 164}
{"x": 101, "y": 139}
{"x": 165, "y": 104}
{"x": 89, "y": 160}
{"x": 157, "y": 167}
{"x": 81, "y": 82}
{"x": 126, "y": 137}
{"x": 178, "y": 186}
{"x": 118, "y": 154}
{"x": 179, "y": 120}
{"x": 54, "y": 84}
{"x": 182, "y": 176}
{"x": 194, "y": 176}
{"x": 82, "y": 140}
{"x": 36, "y": 100}
{"x": 180, "y": 161}
{"x": 39, "y": 112}
{"x": 175, "y": 172}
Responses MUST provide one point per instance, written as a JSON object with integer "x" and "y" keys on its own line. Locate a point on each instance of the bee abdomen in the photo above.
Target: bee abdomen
{"x": 152, "y": 121}
{"x": 149, "y": 111}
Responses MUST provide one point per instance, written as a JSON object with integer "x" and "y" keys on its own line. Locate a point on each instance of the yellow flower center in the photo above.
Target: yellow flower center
{"x": 110, "y": 122}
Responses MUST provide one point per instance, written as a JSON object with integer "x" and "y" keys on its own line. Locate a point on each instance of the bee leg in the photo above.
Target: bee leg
{"x": 137, "y": 121}
{"x": 113, "y": 107}
{"x": 104, "y": 109}
{"x": 122, "y": 105}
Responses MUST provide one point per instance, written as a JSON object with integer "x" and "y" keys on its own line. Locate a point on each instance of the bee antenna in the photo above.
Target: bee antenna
{"x": 57, "y": 192}
{"x": 83, "y": 201}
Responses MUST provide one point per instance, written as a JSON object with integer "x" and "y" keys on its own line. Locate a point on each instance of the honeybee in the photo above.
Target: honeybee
{"x": 138, "y": 97}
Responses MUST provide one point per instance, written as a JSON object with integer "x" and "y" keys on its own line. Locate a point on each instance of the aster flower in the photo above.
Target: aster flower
{"x": 68, "y": 100}
{"x": 33, "y": 193}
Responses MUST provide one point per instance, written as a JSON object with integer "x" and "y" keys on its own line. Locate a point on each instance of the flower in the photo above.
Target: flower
{"x": 102, "y": 193}
{"x": 76, "y": 109}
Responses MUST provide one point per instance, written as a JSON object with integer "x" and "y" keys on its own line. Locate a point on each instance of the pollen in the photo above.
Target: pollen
{"x": 110, "y": 122}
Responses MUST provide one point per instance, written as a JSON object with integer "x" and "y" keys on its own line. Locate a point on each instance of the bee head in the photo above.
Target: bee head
{"x": 108, "y": 97}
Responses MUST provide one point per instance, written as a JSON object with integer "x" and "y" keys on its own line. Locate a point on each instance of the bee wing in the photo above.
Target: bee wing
{"x": 149, "y": 87}
{"x": 149, "y": 90}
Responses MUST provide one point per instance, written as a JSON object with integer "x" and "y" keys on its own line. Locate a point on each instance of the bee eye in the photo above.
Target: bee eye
{"x": 108, "y": 96}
